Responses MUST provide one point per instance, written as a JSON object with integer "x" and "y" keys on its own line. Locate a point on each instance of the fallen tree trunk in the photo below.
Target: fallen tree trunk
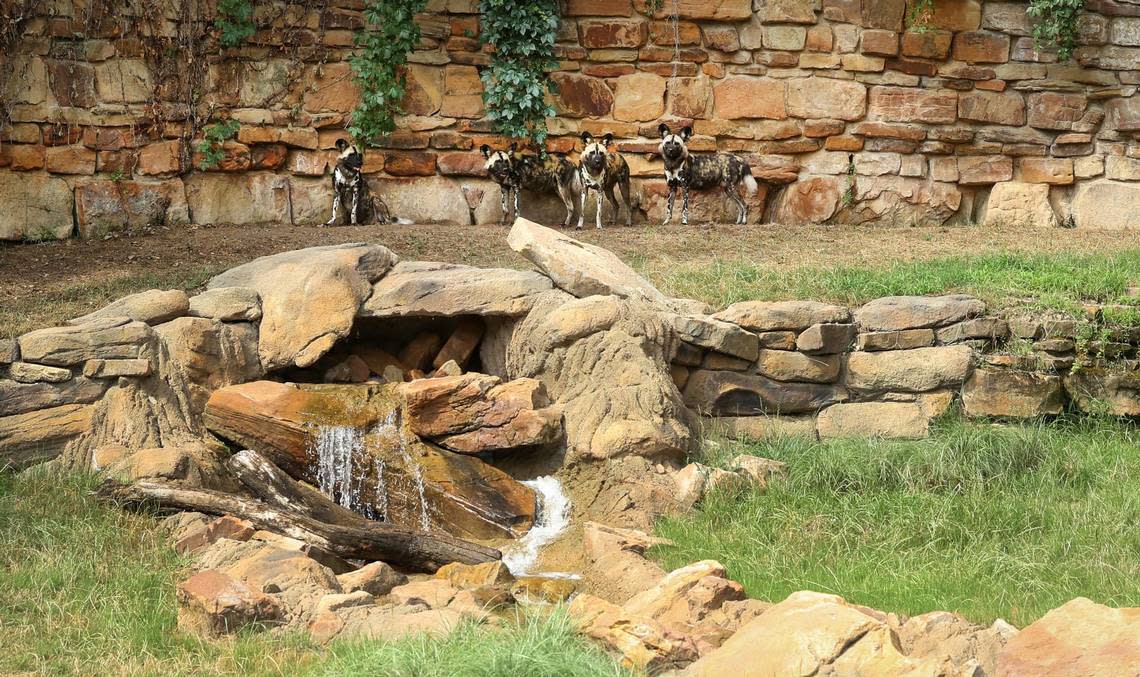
{"x": 371, "y": 541}
{"x": 271, "y": 484}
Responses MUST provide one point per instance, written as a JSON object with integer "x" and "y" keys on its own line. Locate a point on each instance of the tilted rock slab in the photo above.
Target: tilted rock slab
{"x": 474, "y": 413}
{"x": 309, "y": 297}
{"x": 892, "y": 313}
{"x": 603, "y": 360}
{"x": 783, "y": 315}
{"x": 461, "y": 495}
{"x": 579, "y": 268}
{"x": 38, "y": 436}
{"x": 102, "y": 338}
{"x": 1080, "y": 638}
{"x": 152, "y": 307}
{"x": 426, "y": 289}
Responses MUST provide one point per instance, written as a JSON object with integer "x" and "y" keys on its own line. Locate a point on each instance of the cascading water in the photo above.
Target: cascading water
{"x": 552, "y": 519}
{"x": 335, "y": 448}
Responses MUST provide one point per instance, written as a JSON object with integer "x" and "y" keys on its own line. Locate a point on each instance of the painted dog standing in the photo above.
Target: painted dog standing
{"x": 686, "y": 171}
{"x": 602, "y": 170}
{"x": 351, "y": 189}
{"x": 513, "y": 171}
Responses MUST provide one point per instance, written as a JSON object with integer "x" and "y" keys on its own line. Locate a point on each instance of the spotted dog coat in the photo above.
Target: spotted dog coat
{"x": 350, "y": 187}
{"x": 601, "y": 170}
{"x": 514, "y": 171}
{"x": 698, "y": 172}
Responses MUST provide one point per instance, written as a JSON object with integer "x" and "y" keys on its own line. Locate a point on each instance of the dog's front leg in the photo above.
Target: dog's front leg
{"x": 685, "y": 205}
{"x": 598, "y": 211}
{"x": 669, "y": 211}
{"x": 503, "y": 190}
{"x": 516, "y": 192}
{"x": 335, "y": 207}
{"x": 582, "y": 209}
{"x": 356, "y": 190}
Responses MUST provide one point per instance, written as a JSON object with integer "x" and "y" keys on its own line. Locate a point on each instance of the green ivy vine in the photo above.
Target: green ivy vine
{"x": 214, "y": 137}
{"x": 515, "y": 84}
{"x": 390, "y": 34}
{"x": 234, "y": 21}
{"x": 1055, "y": 24}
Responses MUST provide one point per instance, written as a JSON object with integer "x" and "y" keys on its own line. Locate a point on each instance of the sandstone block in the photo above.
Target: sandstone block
{"x": 1080, "y": 637}
{"x": 212, "y": 603}
{"x": 999, "y": 108}
{"x": 375, "y": 578}
{"x": 38, "y": 207}
{"x": 915, "y": 370}
{"x": 424, "y": 289}
{"x": 904, "y": 104}
{"x": 111, "y": 338}
{"x": 981, "y": 47}
{"x": 889, "y": 420}
{"x": 228, "y": 304}
{"x": 1105, "y": 204}
{"x": 984, "y": 169}
{"x": 1020, "y": 204}
{"x": 826, "y": 98}
{"x": 744, "y": 97}
{"x": 894, "y": 313}
{"x": 33, "y": 437}
{"x": 116, "y": 368}
{"x": 784, "y": 365}
{"x": 154, "y": 306}
{"x": 728, "y": 393}
{"x": 1012, "y": 394}
{"x": 765, "y": 316}
{"x": 639, "y": 97}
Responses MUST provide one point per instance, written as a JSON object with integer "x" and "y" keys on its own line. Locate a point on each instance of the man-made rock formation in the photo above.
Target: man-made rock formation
{"x": 419, "y": 289}
{"x": 1079, "y": 638}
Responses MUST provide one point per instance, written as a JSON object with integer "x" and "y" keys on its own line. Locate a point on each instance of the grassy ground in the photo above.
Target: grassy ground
{"x": 989, "y": 521}
{"x": 45, "y": 284}
{"x": 88, "y": 589}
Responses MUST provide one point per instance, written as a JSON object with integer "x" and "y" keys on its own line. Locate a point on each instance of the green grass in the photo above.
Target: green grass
{"x": 988, "y": 521}
{"x": 22, "y": 313}
{"x": 88, "y": 589}
{"x": 1058, "y": 282}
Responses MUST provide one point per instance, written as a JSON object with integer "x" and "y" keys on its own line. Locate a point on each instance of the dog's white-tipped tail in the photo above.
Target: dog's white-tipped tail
{"x": 750, "y": 184}
{"x": 404, "y": 222}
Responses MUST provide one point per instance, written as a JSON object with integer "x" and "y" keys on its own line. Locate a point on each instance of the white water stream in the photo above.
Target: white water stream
{"x": 552, "y": 519}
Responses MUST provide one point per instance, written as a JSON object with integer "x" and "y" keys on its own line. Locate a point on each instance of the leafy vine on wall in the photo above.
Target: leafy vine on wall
{"x": 1055, "y": 22}
{"x": 391, "y": 33}
{"x": 516, "y": 83}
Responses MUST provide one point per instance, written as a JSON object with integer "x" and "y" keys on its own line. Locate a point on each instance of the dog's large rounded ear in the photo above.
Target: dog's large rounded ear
{"x": 608, "y": 138}
{"x": 663, "y": 129}
{"x": 587, "y": 138}
{"x": 686, "y": 133}
{"x": 486, "y": 150}
{"x": 341, "y": 144}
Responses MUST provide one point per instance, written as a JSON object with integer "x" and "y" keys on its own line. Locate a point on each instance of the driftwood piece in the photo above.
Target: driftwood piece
{"x": 371, "y": 541}
{"x": 271, "y": 484}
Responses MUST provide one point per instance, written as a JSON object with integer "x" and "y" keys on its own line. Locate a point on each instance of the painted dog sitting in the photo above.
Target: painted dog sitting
{"x": 514, "y": 171}
{"x": 698, "y": 172}
{"x": 601, "y": 170}
{"x": 350, "y": 189}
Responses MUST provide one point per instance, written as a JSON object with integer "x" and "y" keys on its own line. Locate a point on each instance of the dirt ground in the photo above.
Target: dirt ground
{"x": 42, "y": 282}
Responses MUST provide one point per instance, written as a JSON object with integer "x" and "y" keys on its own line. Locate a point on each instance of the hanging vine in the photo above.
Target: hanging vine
{"x": 1055, "y": 24}
{"x": 515, "y": 85}
{"x": 379, "y": 65}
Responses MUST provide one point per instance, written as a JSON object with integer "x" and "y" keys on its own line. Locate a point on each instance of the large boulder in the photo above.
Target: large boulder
{"x": 37, "y": 206}
{"x": 309, "y": 297}
{"x": 474, "y": 413}
{"x": 1095, "y": 390}
{"x": 1013, "y": 394}
{"x": 811, "y": 633}
{"x": 890, "y": 420}
{"x": 353, "y": 442}
{"x": 1080, "y": 638}
{"x": 685, "y": 598}
{"x": 296, "y": 580}
{"x": 577, "y": 267}
{"x": 211, "y": 354}
{"x": 643, "y": 643}
{"x": 913, "y": 371}
{"x": 604, "y": 362}
{"x": 1106, "y": 205}
{"x": 892, "y": 313}
{"x": 425, "y": 289}
{"x": 1013, "y": 203}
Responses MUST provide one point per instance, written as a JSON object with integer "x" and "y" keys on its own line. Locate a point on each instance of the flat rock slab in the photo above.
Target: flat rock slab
{"x": 1012, "y": 394}
{"x": 309, "y": 297}
{"x": 21, "y": 398}
{"x": 730, "y": 393}
{"x": 427, "y": 289}
{"x": 577, "y": 267}
{"x": 718, "y": 335}
{"x": 893, "y": 313}
{"x": 102, "y": 338}
{"x": 783, "y": 315}
{"x": 1094, "y": 389}
{"x": 913, "y": 371}
{"x": 152, "y": 307}
{"x": 887, "y": 420}
{"x": 1080, "y": 638}
{"x": 38, "y": 436}
{"x": 228, "y": 304}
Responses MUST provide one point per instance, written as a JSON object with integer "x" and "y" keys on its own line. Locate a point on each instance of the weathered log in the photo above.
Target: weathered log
{"x": 271, "y": 484}
{"x": 372, "y": 541}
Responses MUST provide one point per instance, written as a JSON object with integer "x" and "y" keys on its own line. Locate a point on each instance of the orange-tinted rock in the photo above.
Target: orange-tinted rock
{"x": 211, "y": 603}
{"x": 903, "y": 104}
{"x": 409, "y": 163}
{"x": 810, "y": 200}
{"x": 984, "y": 169}
{"x": 599, "y": 8}
{"x": 69, "y": 160}
{"x": 268, "y": 156}
{"x": 24, "y": 157}
{"x": 747, "y": 97}
{"x": 164, "y": 157}
{"x": 1006, "y": 108}
{"x": 102, "y": 207}
{"x": 880, "y": 42}
{"x": 609, "y": 34}
{"x": 714, "y": 10}
{"x": 887, "y": 14}
{"x": 1056, "y": 110}
{"x": 927, "y": 44}
{"x": 981, "y": 47}
{"x": 331, "y": 88}
{"x": 461, "y": 164}
{"x": 1079, "y": 638}
{"x": 582, "y": 96}
{"x": 1057, "y": 171}
{"x": 689, "y": 97}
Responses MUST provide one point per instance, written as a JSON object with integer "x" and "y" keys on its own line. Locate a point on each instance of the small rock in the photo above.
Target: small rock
{"x": 467, "y": 576}
{"x": 643, "y": 643}
{"x": 894, "y": 313}
{"x": 449, "y": 368}
{"x": 989, "y": 328}
{"x": 826, "y": 339}
{"x": 116, "y": 368}
{"x": 543, "y": 590}
{"x": 434, "y": 593}
{"x": 695, "y": 480}
{"x": 420, "y": 351}
{"x": 228, "y": 304}
{"x": 351, "y": 370}
{"x": 211, "y": 603}
{"x": 226, "y": 526}
{"x": 9, "y": 351}
{"x": 375, "y": 578}
{"x": 686, "y": 596}
{"x": 760, "y": 469}
{"x": 901, "y": 339}
{"x": 461, "y": 345}
{"x": 345, "y": 600}
{"x": 601, "y": 539}
{"x": 152, "y": 307}
{"x": 25, "y": 372}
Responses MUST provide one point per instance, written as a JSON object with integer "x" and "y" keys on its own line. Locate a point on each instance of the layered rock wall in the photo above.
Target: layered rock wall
{"x": 104, "y": 106}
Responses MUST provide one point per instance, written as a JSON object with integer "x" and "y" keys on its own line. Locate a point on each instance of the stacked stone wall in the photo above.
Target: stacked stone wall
{"x": 966, "y": 120}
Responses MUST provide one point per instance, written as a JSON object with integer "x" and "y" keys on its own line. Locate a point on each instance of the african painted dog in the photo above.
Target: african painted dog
{"x": 697, "y": 172}
{"x": 514, "y": 171}
{"x": 602, "y": 170}
{"x": 350, "y": 187}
